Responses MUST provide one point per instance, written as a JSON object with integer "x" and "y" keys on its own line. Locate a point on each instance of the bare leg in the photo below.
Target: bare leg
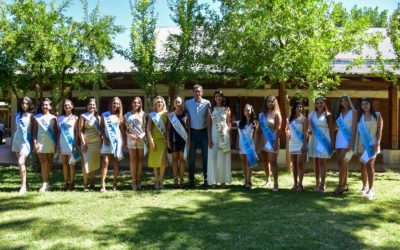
{"x": 104, "y": 169}
{"x": 65, "y": 164}
{"x": 293, "y": 159}
{"x": 300, "y": 167}
{"x": 133, "y": 161}
{"x": 323, "y": 168}
{"x": 266, "y": 165}
{"x": 273, "y": 161}
{"x": 316, "y": 172}
{"x": 181, "y": 168}
{"x": 371, "y": 173}
{"x": 140, "y": 156}
{"x": 175, "y": 156}
{"x": 243, "y": 158}
{"x": 116, "y": 173}
{"x": 22, "y": 172}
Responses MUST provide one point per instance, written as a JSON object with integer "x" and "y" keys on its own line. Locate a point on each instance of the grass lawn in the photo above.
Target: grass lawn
{"x": 230, "y": 218}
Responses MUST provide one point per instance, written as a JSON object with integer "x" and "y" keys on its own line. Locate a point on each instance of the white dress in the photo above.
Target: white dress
{"x": 295, "y": 144}
{"x": 46, "y": 136}
{"x": 107, "y": 149}
{"x": 23, "y": 135}
{"x": 341, "y": 141}
{"x": 69, "y": 122}
{"x": 316, "y": 149}
{"x": 249, "y": 131}
{"x": 219, "y": 163}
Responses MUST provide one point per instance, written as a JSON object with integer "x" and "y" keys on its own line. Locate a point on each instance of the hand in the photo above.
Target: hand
{"x": 303, "y": 148}
{"x": 288, "y": 134}
{"x": 152, "y": 145}
{"x": 36, "y": 147}
{"x": 84, "y": 147}
{"x": 375, "y": 147}
{"x": 169, "y": 145}
{"x": 132, "y": 137}
{"x": 210, "y": 144}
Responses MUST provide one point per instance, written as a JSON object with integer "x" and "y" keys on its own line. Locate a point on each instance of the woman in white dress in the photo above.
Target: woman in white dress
{"x": 22, "y": 140}
{"x": 296, "y": 131}
{"x": 370, "y": 127}
{"x": 89, "y": 135}
{"x": 321, "y": 142}
{"x": 219, "y": 143}
{"x": 45, "y": 143}
{"x": 135, "y": 123}
{"x": 346, "y": 120}
{"x": 68, "y": 147}
{"x": 249, "y": 125}
{"x": 269, "y": 148}
{"x": 112, "y": 129}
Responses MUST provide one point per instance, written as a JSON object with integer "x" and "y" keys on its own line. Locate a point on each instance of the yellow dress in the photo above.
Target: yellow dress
{"x": 92, "y": 138}
{"x": 158, "y": 157}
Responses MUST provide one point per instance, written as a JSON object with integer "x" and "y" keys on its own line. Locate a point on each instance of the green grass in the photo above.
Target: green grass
{"x": 199, "y": 219}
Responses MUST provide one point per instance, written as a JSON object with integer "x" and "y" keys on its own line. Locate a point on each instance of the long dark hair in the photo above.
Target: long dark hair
{"x": 293, "y": 110}
{"x": 340, "y": 108}
{"x": 372, "y": 109}
{"x": 223, "y": 103}
{"x": 31, "y": 108}
{"x": 253, "y": 117}
{"x": 72, "y": 110}
{"x": 40, "y": 110}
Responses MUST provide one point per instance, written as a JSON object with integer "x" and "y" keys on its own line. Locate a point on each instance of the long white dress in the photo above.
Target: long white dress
{"x": 91, "y": 157}
{"x": 23, "y": 135}
{"x": 341, "y": 141}
{"x": 46, "y": 136}
{"x": 219, "y": 163}
{"x": 316, "y": 149}
{"x": 69, "y": 123}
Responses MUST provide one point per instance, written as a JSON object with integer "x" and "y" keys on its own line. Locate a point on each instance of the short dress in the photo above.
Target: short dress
{"x": 341, "y": 141}
{"x": 138, "y": 119}
{"x": 316, "y": 149}
{"x": 176, "y": 141}
{"x": 249, "y": 128}
{"x": 69, "y": 123}
{"x": 92, "y": 138}
{"x": 372, "y": 126}
{"x": 22, "y": 140}
{"x": 157, "y": 157}
{"x": 295, "y": 144}
{"x": 107, "y": 149}
{"x": 46, "y": 136}
{"x": 261, "y": 140}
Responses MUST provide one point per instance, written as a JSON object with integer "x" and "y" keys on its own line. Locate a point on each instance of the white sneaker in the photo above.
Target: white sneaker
{"x": 363, "y": 191}
{"x": 45, "y": 187}
{"x": 370, "y": 195}
{"x": 22, "y": 190}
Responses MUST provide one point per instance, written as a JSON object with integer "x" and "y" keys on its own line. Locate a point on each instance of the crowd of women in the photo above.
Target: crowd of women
{"x": 95, "y": 139}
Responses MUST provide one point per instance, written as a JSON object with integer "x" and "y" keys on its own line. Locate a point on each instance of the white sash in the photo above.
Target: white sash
{"x": 115, "y": 140}
{"x": 137, "y": 129}
{"x": 158, "y": 122}
{"x": 91, "y": 119}
{"x": 180, "y": 130}
{"x": 218, "y": 121}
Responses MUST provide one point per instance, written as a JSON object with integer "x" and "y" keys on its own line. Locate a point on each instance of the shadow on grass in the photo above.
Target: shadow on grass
{"x": 243, "y": 220}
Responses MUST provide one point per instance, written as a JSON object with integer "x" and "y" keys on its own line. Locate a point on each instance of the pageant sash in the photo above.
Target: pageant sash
{"x": 115, "y": 140}
{"x": 158, "y": 122}
{"x": 248, "y": 146}
{"x": 344, "y": 129}
{"x": 180, "y": 130}
{"x": 224, "y": 142}
{"x": 299, "y": 135}
{"x": 137, "y": 129}
{"x": 91, "y": 119}
{"x": 69, "y": 138}
{"x": 367, "y": 141}
{"x": 26, "y": 134}
{"x": 46, "y": 127}
{"x": 268, "y": 133}
{"x": 320, "y": 136}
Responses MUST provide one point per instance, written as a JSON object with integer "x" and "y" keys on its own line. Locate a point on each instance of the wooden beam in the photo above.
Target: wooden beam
{"x": 394, "y": 117}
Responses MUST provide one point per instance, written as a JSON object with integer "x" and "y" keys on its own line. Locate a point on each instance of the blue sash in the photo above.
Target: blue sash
{"x": 113, "y": 136}
{"x": 46, "y": 127}
{"x": 69, "y": 138}
{"x": 158, "y": 122}
{"x": 268, "y": 133}
{"x": 366, "y": 138}
{"x": 248, "y": 145}
{"x": 320, "y": 136}
{"x": 26, "y": 134}
{"x": 299, "y": 135}
{"x": 344, "y": 129}
{"x": 91, "y": 120}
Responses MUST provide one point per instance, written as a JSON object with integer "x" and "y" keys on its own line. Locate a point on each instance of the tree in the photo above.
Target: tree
{"x": 375, "y": 17}
{"x": 143, "y": 47}
{"x": 394, "y": 34}
{"x": 181, "y": 59}
{"x": 51, "y": 50}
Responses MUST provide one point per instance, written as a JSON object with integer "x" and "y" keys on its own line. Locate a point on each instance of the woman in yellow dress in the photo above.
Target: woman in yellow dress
{"x": 156, "y": 132}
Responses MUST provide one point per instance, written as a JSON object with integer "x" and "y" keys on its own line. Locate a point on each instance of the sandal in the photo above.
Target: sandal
{"x": 66, "y": 185}
{"x": 85, "y": 188}
{"x": 338, "y": 190}
{"x": 71, "y": 186}
{"x": 176, "y": 181}
{"x": 300, "y": 188}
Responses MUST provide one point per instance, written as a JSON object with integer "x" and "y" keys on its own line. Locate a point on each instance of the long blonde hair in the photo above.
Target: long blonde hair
{"x": 155, "y": 102}
{"x": 120, "y": 111}
{"x": 264, "y": 108}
